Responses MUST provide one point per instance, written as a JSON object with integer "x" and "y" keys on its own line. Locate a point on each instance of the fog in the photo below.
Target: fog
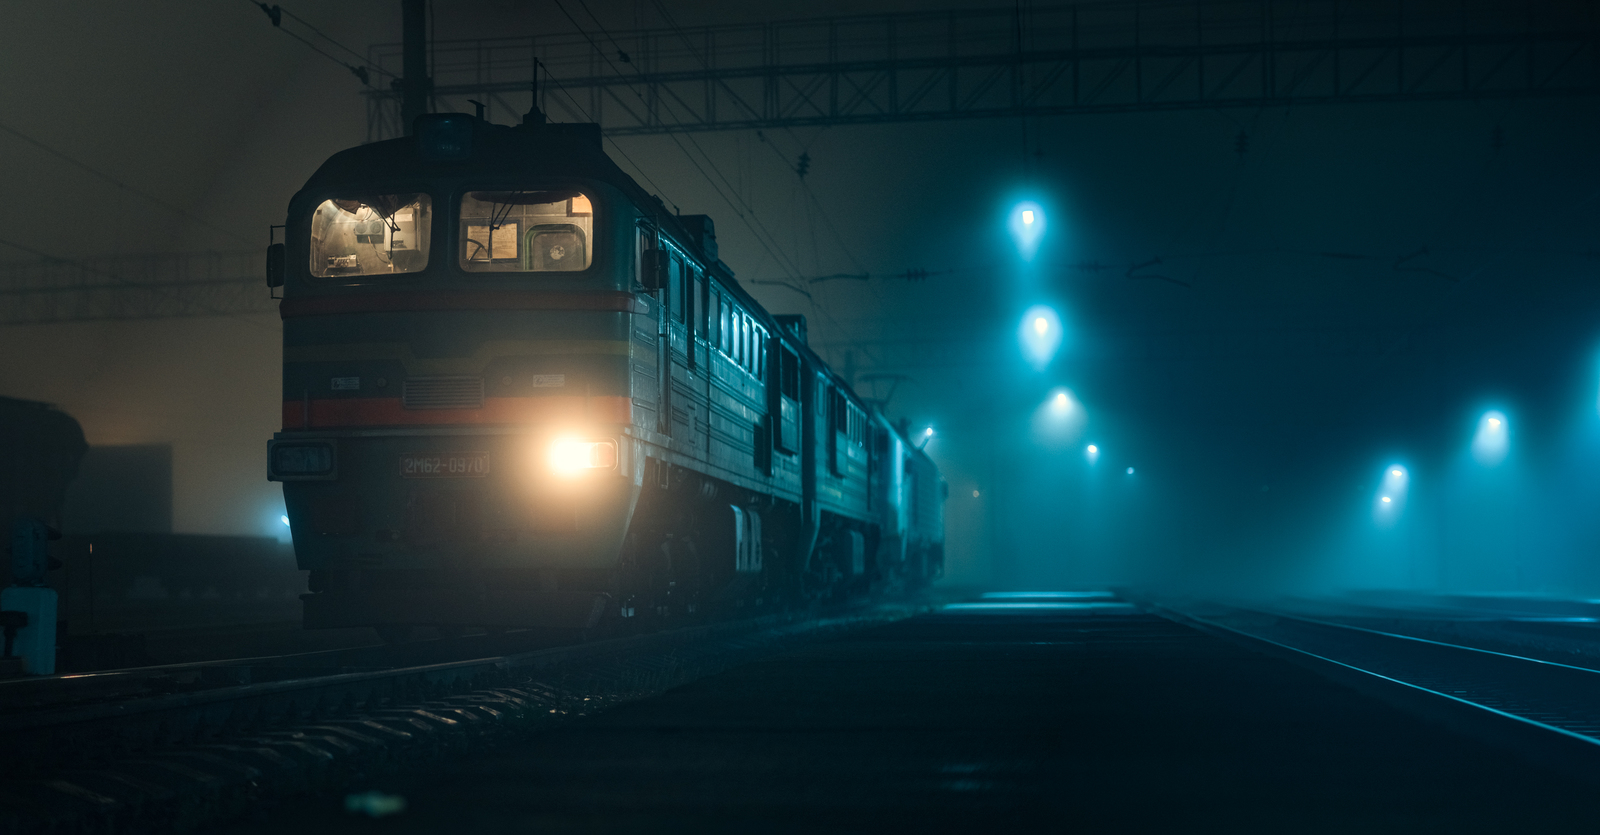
{"x": 1261, "y": 329}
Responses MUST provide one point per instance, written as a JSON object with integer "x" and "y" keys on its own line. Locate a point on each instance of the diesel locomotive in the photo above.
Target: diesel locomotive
{"x": 518, "y": 392}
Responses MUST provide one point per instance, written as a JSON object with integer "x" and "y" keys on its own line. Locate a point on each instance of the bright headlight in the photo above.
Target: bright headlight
{"x": 571, "y": 456}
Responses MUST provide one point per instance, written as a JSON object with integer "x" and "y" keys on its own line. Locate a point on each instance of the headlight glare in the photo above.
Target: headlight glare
{"x": 573, "y": 456}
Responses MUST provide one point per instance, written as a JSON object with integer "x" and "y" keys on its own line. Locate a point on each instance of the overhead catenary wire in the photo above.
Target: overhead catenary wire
{"x": 319, "y": 33}
{"x": 638, "y": 169}
{"x": 821, "y": 210}
{"x": 672, "y": 22}
{"x": 77, "y": 163}
{"x": 362, "y": 70}
{"x": 578, "y": 108}
{"x": 747, "y": 214}
{"x": 689, "y": 45}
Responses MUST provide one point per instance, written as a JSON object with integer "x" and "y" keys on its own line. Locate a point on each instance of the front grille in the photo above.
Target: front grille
{"x": 442, "y": 393}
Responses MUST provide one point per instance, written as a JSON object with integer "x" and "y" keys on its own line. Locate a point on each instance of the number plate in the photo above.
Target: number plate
{"x": 444, "y": 465}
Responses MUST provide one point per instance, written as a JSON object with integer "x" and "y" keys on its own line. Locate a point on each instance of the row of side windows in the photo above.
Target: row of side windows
{"x": 737, "y": 334}
{"x": 714, "y": 315}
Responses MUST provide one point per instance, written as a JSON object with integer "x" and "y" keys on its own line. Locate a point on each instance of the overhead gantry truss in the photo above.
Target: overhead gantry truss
{"x": 1089, "y": 58}
{"x": 1118, "y": 57}
{"x": 134, "y": 287}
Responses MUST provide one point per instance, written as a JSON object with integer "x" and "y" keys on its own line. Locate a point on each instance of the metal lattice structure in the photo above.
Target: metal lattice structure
{"x": 134, "y": 287}
{"x": 1090, "y": 58}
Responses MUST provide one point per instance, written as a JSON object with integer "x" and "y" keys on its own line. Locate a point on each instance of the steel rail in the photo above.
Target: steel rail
{"x": 42, "y": 692}
{"x": 52, "y": 715}
{"x": 1546, "y": 695}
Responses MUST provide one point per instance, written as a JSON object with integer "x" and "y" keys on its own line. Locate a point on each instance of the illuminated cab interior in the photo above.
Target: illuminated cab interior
{"x": 500, "y": 231}
{"x": 526, "y": 231}
{"x": 371, "y": 235}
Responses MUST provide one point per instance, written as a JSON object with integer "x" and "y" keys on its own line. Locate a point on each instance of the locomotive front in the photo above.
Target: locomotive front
{"x": 458, "y": 432}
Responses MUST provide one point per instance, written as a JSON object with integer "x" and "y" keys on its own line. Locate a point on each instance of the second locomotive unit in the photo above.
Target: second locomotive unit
{"x": 518, "y": 392}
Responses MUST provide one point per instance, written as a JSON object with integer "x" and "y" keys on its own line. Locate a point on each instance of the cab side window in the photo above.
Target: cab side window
{"x": 713, "y": 322}
{"x": 724, "y": 327}
{"x": 760, "y": 369}
{"x": 697, "y": 299}
{"x": 675, "y": 292}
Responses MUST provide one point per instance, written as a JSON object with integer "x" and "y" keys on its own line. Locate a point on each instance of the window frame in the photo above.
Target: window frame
{"x": 438, "y": 227}
{"x": 788, "y": 372}
{"x": 675, "y": 271}
{"x": 713, "y": 311}
{"x": 725, "y": 326}
{"x": 697, "y": 281}
{"x": 598, "y": 213}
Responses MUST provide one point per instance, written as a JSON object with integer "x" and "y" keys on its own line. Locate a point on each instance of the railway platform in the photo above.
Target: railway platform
{"x": 1028, "y": 713}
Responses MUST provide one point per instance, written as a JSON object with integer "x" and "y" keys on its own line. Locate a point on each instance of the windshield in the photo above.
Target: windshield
{"x": 526, "y": 231}
{"x": 370, "y": 234}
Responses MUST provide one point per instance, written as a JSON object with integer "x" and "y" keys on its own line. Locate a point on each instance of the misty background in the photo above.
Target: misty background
{"x": 1264, "y": 309}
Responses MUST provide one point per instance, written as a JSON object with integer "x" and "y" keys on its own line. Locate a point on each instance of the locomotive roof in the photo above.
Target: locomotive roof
{"x": 546, "y": 150}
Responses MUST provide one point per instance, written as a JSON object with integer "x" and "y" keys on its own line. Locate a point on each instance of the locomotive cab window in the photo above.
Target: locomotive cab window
{"x": 526, "y": 231}
{"x": 374, "y": 234}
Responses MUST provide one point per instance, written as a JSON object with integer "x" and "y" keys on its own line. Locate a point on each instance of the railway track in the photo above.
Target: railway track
{"x": 178, "y": 746}
{"x": 1547, "y": 709}
{"x": 28, "y": 694}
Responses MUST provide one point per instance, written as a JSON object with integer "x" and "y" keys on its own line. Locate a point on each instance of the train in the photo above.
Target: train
{"x": 43, "y": 446}
{"x": 518, "y": 392}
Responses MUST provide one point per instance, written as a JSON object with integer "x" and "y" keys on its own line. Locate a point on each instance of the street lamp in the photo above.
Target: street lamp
{"x": 1027, "y": 225}
{"x": 1040, "y": 333}
{"x": 1492, "y": 440}
{"x": 1391, "y": 497}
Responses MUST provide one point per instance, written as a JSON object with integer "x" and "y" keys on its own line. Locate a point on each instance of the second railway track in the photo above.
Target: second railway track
{"x": 1544, "y": 707}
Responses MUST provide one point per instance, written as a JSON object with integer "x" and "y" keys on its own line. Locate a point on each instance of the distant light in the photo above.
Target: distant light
{"x": 1130, "y": 471}
{"x": 1060, "y": 405}
{"x": 1094, "y": 450}
{"x": 1040, "y": 335}
{"x": 1029, "y": 605}
{"x": 1049, "y": 595}
{"x": 928, "y": 432}
{"x": 284, "y": 519}
{"x": 1058, "y": 420}
{"x": 1092, "y": 453}
{"x": 1491, "y": 442}
{"x": 1389, "y": 500}
{"x": 1027, "y": 224}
